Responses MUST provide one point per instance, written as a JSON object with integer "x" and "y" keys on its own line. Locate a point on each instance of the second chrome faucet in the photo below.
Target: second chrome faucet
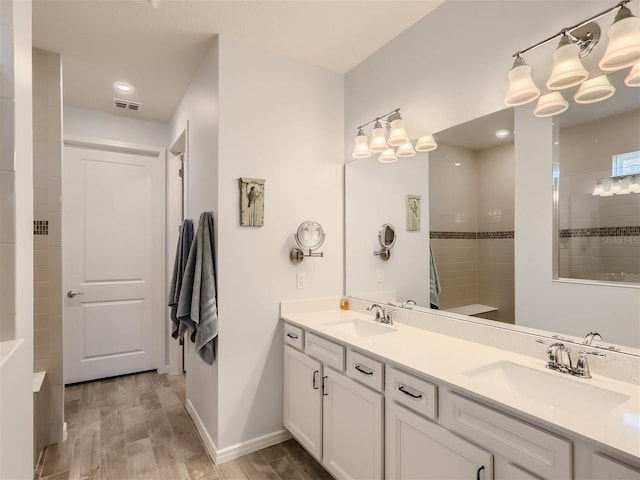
{"x": 559, "y": 359}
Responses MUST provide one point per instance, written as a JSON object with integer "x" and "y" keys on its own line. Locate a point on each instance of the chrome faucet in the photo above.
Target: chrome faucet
{"x": 409, "y": 304}
{"x": 382, "y": 315}
{"x": 559, "y": 359}
{"x": 590, "y": 337}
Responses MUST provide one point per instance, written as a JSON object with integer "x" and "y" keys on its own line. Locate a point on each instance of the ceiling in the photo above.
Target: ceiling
{"x": 158, "y": 50}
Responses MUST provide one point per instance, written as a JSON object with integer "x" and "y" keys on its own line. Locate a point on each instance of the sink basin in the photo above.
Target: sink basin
{"x": 552, "y": 389}
{"x": 361, "y": 328}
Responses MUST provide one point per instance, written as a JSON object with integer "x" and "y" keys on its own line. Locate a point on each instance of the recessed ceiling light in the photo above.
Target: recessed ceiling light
{"x": 123, "y": 87}
{"x": 502, "y": 133}
{"x": 457, "y": 164}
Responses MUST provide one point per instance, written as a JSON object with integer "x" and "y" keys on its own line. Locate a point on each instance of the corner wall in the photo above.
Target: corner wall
{"x": 280, "y": 120}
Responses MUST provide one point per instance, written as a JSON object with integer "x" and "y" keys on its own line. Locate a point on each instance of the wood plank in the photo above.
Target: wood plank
{"x": 286, "y": 468}
{"x": 112, "y": 460}
{"x": 231, "y": 470}
{"x": 58, "y": 457}
{"x": 257, "y": 468}
{"x": 141, "y": 462}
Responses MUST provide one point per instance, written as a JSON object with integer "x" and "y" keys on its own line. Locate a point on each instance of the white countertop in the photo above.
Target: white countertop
{"x": 446, "y": 359}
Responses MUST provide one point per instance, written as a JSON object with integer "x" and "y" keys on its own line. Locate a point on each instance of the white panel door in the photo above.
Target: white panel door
{"x": 352, "y": 434}
{"x": 418, "y": 449}
{"x": 303, "y": 400}
{"x": 112, "y": 255}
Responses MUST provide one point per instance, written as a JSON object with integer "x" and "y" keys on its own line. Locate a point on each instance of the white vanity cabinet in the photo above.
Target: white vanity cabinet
{"x": 303, "y": 399}
{"x": 338, "y": 420}
{"x": 419, "y": 449}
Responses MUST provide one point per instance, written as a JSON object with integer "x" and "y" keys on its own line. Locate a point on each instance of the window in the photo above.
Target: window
{"x": 625, "y": 164}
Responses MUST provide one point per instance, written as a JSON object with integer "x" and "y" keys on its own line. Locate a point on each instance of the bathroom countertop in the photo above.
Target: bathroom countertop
{"x": 445, "y": 359}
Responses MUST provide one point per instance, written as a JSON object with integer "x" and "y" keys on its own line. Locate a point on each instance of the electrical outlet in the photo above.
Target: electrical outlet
{"x": 301, "y": 280}
{"x": 380, "y": 276}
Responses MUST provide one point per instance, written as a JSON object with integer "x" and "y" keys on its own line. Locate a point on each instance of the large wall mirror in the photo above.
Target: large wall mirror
{"x": 467, "y": 235}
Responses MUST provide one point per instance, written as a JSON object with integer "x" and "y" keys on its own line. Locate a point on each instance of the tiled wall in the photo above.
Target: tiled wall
{"x": 471, "y": 212}
{"x": 47, "y": 303}
{"x": 7, "y": 178}
{"x": 599, "y": 236}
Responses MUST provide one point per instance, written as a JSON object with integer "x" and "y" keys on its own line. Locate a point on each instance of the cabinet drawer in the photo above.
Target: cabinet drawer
{"x": 328, "y": 352}
{"x": 413, "y": 392}
{"x": 365, "y": 370}
{"x": 535, "y": 450}
{"x": 294, "y": 336}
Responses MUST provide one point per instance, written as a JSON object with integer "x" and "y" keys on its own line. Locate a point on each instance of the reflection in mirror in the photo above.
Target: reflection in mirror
{"x": 471, "y": 199}
{"x": 598, "y": 201}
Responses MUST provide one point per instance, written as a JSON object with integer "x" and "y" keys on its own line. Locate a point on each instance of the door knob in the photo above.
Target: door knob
{"x": 73, "y": 293}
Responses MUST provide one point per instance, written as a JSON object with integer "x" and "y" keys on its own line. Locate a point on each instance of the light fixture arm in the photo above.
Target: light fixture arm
{"x": 382, "y": 118}
{"x": 568, "y": 30}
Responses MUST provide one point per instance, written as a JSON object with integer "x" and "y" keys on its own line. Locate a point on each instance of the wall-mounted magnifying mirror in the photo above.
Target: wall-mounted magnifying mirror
{"x": 387, "y": 239}
{"x": 309, "y": 236}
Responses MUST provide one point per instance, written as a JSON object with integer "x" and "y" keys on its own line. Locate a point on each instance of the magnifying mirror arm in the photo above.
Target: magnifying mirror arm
{"x": 384, "y": 253}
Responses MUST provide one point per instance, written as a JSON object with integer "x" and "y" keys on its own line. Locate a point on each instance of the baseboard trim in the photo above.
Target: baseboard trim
{"x": 239, "y": 449}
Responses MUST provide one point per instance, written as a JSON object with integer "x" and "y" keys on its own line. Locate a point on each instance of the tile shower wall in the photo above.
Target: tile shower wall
{"x": 472, "y": 231}
{"x": 47, "y": 265}
{"x": 599, "y": 236}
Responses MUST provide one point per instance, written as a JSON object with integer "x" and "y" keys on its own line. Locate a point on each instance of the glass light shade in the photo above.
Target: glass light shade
{"x": 595, "y": 90}
{"x": 550, "y": 104}
{"x": 426, "y": 144}
{"x": 361, "y": 149}
{"x": 633, "y": 79}
{"x": 388, "y": 156}
{"x": 405, "y": 150}
{"x": 567, "y": 68}
{"x": 378, "y": 140}
{"x": 521, "y": 89}
{"x": 634, "y": 185}
{"x": 598, "y": 189}
{"x": 397, "y": 134}
{"x": 623, "y": 49}
{"x": 606, "y": 194}
{"x": 616, "y": 187}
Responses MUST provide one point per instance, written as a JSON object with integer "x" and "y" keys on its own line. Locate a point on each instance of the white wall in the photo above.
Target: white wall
{"x": 84, "y": 122}
{"x": 199, "y": 107}
{"x": 376, "y": 195}
{"x": 439, "y": 80}
{"x": 280, "y": 120}
{"x": 16, "y": 452}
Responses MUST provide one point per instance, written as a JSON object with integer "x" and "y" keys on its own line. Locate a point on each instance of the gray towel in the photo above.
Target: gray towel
{"x": 182, "y": 253}
{"x": 197, "y": 306}
{"x": 434, "y": 289}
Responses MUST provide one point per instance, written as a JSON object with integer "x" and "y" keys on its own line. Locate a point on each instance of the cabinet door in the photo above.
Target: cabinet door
{"x": 604, "y": 468}
{"x": 303, "y": 399}
{"x": 419, "y": 449}
{"x": 352, "y": 419}
{"x": 504, "y": 469}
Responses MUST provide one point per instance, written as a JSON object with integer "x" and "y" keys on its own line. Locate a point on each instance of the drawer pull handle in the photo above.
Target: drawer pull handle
{"x": 315, "y": 386}
{"x": 324, "y": 394}
{"x": 291, "y": 335}
{"x": 362, "y": 370}
{"x": 478, "y": 472}
{"x": 407, "y": 392}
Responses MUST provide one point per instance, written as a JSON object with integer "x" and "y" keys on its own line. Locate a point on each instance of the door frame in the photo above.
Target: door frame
{"x": 158, "y": 285}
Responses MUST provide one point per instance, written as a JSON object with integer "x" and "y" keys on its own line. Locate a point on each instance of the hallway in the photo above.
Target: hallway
{"x": 136, "y": 427}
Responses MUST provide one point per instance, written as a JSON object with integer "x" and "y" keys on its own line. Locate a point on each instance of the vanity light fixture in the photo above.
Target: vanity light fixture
{"x": 396, "y": 145}
{"x": 598, "y": 190}
{"x": 595, "y": 90}
{"x": 633, "y": 79}
{"x": 620, "y": 185}
{"x": 577, "y": 41}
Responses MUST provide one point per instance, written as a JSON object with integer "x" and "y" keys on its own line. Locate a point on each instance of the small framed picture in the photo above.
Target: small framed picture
{"x": 251, "y": 202}
{"x": 413, "y": 213}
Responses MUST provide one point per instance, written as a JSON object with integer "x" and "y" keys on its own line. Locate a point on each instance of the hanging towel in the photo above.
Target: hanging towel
{"x": 197, "y": 306}
{"x": 182, "y": 253}
{"x": 435, "y": 288}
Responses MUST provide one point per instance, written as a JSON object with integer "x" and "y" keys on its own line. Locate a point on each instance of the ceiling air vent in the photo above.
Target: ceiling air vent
{"x": 126, "y": 104}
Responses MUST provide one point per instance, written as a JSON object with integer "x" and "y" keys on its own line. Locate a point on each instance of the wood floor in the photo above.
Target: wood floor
{"x": 136, "y": 427}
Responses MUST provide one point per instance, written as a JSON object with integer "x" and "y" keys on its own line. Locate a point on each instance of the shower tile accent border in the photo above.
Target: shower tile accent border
{"x": 471, "y": 235}
{"x": 41, "y": 227}
{"x": 626, "y": 231}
